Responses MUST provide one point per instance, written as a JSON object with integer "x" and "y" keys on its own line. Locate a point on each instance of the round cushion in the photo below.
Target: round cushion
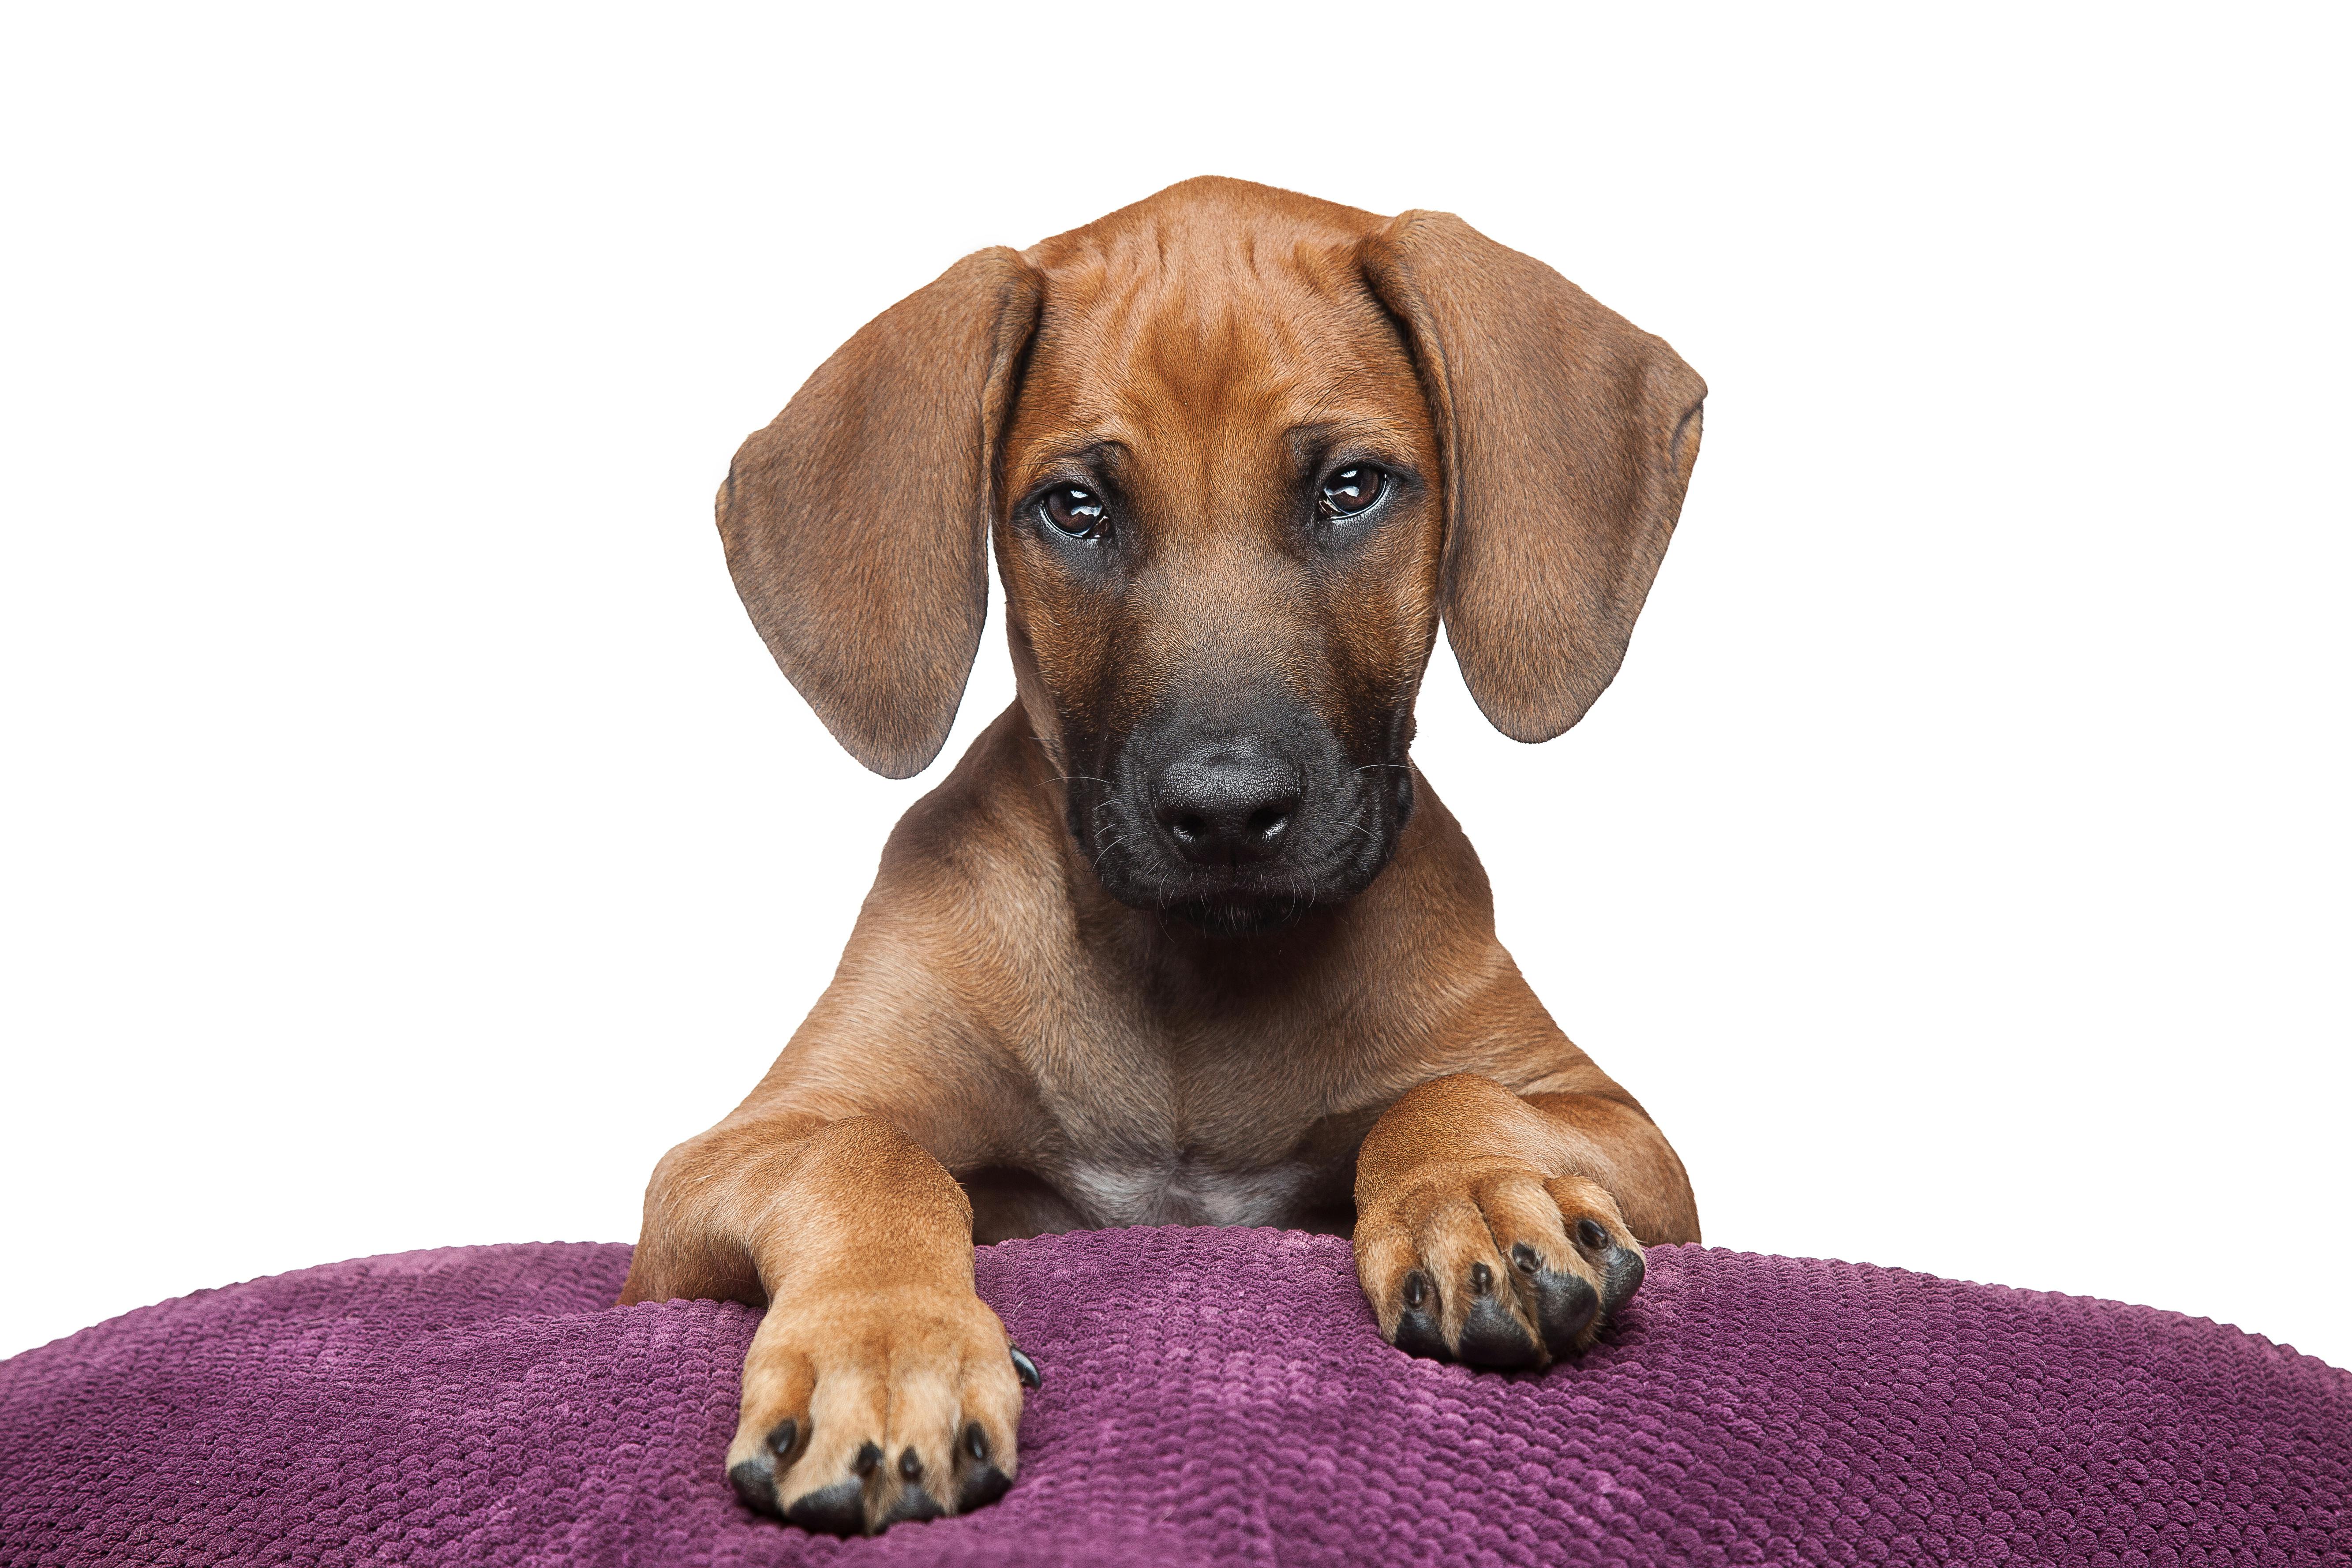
{"x": 1210, "y": 1396}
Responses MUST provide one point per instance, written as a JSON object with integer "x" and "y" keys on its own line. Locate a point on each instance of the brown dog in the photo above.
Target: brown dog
{"x": 1185, "y": 938}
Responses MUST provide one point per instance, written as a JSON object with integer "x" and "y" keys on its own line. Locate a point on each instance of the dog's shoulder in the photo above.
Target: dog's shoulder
{"x": 982, "y": 848}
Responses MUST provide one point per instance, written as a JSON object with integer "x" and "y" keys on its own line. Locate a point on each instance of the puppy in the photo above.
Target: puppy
{"x": 1185, "y": 938}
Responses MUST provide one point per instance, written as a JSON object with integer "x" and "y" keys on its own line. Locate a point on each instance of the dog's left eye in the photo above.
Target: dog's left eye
{"x": 1075, "y": 510}
{"x": 1351, "y": 490}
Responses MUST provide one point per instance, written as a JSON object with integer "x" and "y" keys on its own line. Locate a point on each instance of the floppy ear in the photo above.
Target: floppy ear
{"x": 856, "y": 524}
{"x": 1569, "y": 437}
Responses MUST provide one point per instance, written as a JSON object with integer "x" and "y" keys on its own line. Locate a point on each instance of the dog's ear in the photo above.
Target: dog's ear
{"x": 856, "y": 524}
{"x": 1569, "y": 437}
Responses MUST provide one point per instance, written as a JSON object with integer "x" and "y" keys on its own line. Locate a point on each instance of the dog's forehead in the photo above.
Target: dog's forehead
{"x": 1214, "y": 313}
{"x": 1204, "y": 233}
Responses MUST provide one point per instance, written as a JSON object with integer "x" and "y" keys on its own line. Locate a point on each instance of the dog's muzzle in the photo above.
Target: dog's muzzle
{"x": 1237, "y": 826}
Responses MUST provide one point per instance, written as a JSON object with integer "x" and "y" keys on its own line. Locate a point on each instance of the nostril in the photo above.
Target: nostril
{"x": 1268, "y": 821}
{"x": 1228, "y": 805}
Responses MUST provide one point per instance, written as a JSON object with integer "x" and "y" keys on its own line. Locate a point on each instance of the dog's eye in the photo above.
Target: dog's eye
{"x": 1350, "y": 490}
{"x": 1076, "y": 510}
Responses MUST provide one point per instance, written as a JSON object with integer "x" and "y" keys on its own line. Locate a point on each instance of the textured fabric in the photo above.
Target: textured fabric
{"x": 1210, "y": 1396}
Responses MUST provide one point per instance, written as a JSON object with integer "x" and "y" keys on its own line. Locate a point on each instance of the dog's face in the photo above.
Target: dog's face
{"x": 1221, "y": 535}
{"x": 1240, "y": 451}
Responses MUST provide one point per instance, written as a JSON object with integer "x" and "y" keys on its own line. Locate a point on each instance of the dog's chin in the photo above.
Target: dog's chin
{"x": 1248, "y": 904}
{"x": 1244, "y": 914}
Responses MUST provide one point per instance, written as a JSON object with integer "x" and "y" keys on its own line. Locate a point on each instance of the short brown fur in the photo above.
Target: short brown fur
{"x": 1016, "y": 1041}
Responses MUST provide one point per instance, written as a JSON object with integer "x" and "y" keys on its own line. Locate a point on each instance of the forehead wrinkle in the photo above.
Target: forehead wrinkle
{"x": 1200, "y": 355}
{"x": 1186, "y": 320}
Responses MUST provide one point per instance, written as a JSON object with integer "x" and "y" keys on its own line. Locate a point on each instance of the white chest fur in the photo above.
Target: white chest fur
{"x": 1184, "y": 1190}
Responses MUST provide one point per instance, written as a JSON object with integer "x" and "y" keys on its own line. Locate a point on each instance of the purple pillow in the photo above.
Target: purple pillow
{"x": 1210, "y": 1395}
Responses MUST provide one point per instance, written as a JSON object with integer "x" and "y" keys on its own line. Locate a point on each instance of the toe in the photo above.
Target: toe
{"x": 1557, "y": 1292}
{"x": 1420, "y": 1317}
{"x": 773, "y": 1427}
{"x": 917, "y": 1478}
{"x": 914, "y": 1469}
{"x": 754, "y": 1476}
{"x": 1567, "y": 1308}
{"x": 836, "y": 1509}
{"x": 1449, "y": 1242}
{"x": 1494, "y": 1335}
{"x": 755, "y": 1480}
{"x": 1404, "y": 1296}
{"x": 1604, "y": 1243}
{"x": 829, "y": 1486}
{"x": 833, "y": 1502}
{"x": 980, "y": 1480}
{"x": 912, "y": 1503}
{"x": 982, "y": 1454}
{"x": 1622, "y": 1269}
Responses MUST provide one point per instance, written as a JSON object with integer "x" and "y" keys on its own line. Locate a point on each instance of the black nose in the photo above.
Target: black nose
{"x": 1227, "y": 805}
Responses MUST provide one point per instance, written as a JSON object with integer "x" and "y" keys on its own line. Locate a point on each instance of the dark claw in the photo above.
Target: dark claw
{"x": 782, "y": 1436}
{"x": 838, "y": 1509}
{"x": 1493, "y": 1337}
{"x": 975, "y": 1441}
{"x": 868, "y": 1455}
{"x": 1482, "y": 1280}
{"x": 911, "y": 1465}
{"x": 1523, "y": 1257}
{"x": 1593, "y": 1233}
{"x": 754, "y": 1481}
{"x": 1415, "y": 1288}
{"x": 1622, "y": 1277}
{"x": 1026, "y": 1369}
{"x": 981, "y": 1486}
{"x": 1565, "y": 1307}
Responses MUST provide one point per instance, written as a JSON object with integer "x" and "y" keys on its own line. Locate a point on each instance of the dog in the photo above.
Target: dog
{"x": 1185, "y": 938}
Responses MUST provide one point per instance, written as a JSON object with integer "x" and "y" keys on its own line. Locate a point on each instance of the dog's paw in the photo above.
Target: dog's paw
{"x": 1491, "y": 1263}
{"x": 865, "y": 1408}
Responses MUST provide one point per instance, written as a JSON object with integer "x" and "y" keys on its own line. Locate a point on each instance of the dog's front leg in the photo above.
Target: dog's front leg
{"x": 879, "y": 1387}
{"x": 1503, "y": 1230}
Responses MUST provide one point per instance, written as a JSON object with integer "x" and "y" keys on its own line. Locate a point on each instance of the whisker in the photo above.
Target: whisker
{"x": 1400, "y": 767}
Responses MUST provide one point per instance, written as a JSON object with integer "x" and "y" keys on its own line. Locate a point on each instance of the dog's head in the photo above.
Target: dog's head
{"x": 1240, "y": 451}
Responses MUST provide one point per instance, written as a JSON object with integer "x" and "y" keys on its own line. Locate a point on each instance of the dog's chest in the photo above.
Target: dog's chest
{"x": 1208, "y": 1129}
{"x": 1185, "y": 1188}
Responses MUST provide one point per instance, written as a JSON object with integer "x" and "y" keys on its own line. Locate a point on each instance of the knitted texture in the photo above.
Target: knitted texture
{"x": 1210, "y": 1396}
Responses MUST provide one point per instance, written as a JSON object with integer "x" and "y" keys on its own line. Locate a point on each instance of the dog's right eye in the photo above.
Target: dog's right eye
{"x": 1075, "y": 510}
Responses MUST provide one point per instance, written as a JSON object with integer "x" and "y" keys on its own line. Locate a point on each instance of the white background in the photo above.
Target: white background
{"x": 406, "y": 837}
